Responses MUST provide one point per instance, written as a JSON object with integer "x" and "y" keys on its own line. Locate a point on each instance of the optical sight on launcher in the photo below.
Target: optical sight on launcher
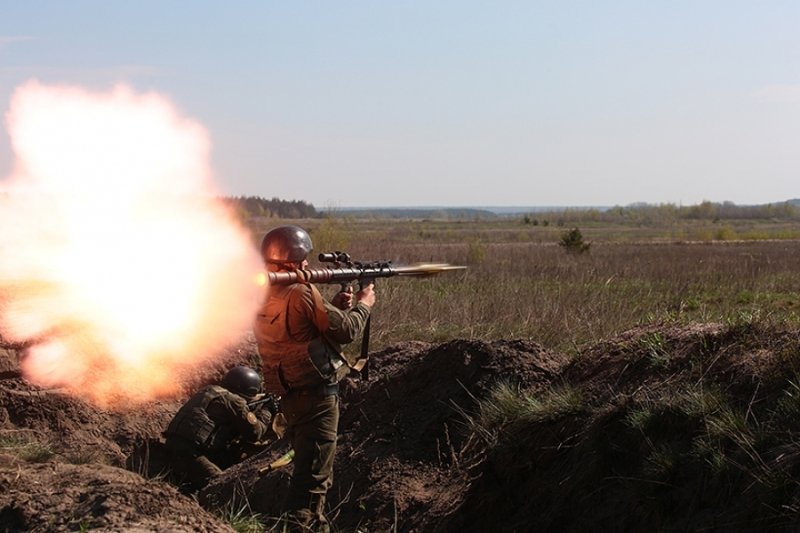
{"x": 344, "y": 270}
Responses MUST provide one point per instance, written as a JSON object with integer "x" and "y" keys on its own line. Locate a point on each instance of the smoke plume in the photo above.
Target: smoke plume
{"x": 118, "y": 266}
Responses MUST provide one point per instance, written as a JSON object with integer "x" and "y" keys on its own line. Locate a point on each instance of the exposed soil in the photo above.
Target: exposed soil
{"x": 407, "y": 460}
{"x": 398, "y": 462}
{"x": 56, "y": 496}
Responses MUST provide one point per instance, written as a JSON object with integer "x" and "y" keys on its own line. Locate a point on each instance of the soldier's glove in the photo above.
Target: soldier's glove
{"x": 279, "y": 425}
{"x": 264, "y": 415}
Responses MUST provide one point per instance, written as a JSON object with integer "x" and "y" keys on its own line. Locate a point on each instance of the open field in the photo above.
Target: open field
{"x": 650, "y": 383}
{"x": 521, "y": 284}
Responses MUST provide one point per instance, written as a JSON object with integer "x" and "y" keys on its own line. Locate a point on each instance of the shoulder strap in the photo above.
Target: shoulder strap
{"x": 320, "y": 315}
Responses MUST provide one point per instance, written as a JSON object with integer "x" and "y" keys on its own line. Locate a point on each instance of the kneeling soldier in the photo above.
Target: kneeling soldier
{"x": 203, "y": 432}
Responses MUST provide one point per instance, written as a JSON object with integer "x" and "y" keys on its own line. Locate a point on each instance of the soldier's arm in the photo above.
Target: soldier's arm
{"x": 341, "y": 326}
{"x": 346, "y": 326}
{"x": 244, "y": 421}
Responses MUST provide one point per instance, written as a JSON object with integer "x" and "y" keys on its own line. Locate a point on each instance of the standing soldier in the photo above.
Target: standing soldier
{"x": 205, "y": 433}
{"x": 299, "y": 338}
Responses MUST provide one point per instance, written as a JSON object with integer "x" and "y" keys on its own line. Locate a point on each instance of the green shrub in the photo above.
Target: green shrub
{"x": 725, "y": 233}
{"x": 572, "y": 242}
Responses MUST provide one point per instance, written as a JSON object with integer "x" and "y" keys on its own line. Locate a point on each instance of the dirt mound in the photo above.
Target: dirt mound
{"x": 62, "y": 469}
{"x": 398, "y": 461}
{"x": 77, "y": 431}
{"x": 72, "y": 429}
{"x": 409, "y": 409}
{"x": 664, "y": 427}
{"x": 403, "y": 434}
{"x": 64, "y": 497}
{"x": 678, "y": 429}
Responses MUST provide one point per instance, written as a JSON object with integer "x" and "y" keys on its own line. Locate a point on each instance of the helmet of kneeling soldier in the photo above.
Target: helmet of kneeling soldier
{"x": 242, "y": 380}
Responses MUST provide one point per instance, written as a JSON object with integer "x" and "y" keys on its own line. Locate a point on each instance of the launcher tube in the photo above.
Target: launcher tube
{"x": 356, "y": 273}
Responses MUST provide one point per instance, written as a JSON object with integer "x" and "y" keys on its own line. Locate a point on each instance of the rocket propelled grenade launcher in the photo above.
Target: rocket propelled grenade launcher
{"x": 344, "y": 271}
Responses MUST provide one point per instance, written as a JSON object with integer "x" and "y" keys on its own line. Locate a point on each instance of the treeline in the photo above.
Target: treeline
{"x": 430, "y": 213}
{"x": 665, "y": 213}
{"x": 255, "y": 206}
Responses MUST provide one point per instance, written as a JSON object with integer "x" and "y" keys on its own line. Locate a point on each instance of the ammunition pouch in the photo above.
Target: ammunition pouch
{"x": 326, "y": 359}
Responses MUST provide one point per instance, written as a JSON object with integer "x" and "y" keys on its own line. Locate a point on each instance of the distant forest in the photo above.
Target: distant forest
{"x": 649, "y": 213}
{"x": 255, "y": 206}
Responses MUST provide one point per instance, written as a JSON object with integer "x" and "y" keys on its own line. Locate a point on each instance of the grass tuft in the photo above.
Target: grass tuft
{"x": 27, "y": 447}
{"x": 243, "y": 520}
{"x": 506, "y": 406}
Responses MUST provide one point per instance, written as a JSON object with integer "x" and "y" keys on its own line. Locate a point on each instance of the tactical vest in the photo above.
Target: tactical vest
{"x": 291, "y": 362}
{"x": 192, "y": 423}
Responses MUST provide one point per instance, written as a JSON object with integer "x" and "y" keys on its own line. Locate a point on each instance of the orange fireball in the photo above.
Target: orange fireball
{"x": 116, "y": 259}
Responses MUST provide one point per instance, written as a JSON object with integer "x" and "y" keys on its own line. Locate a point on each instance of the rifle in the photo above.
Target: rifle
{"x": 269, "y": 401}
{"x": 343, "y": 270}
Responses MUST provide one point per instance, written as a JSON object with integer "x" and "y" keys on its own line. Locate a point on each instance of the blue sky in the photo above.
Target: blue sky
{"x": 455, "y": 103}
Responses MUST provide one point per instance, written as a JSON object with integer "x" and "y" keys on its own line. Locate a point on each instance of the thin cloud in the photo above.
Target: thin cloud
{"x": 10, "y": 39}
{"x": 92, "y": 75}
{"x": 779, "y": 94}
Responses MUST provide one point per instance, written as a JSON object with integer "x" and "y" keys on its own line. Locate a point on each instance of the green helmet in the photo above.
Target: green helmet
{"x": 286, "y": 244}
{"x": 242, "y": 380}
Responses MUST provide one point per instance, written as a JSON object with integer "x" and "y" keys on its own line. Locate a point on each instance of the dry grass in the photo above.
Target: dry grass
{"x": 690, "y": 448}
{"x": 521, "y": 284}
{"x": 26, "y": 445}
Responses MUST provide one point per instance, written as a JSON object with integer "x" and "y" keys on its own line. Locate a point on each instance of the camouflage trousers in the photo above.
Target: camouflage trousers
{"x": 189, "y": 470}
{"x": 313, "y": 421}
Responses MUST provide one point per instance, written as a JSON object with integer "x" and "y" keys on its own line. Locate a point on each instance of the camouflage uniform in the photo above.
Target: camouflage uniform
{"x": 207, "y": 432}
{"x": 299, "y": 338}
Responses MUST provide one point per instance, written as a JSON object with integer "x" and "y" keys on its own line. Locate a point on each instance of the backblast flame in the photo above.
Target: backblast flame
{"x": 117, "y": 263}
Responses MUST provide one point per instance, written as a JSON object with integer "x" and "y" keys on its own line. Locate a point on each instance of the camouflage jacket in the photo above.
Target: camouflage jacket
{"x": 293, "y": 324}
{"x": 214, "y": 417}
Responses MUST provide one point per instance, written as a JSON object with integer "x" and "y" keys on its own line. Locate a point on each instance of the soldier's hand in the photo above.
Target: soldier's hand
{"x": 264, "y": 415}
{"x": 366, "y": 295}
{"x": 344, "y": 299}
